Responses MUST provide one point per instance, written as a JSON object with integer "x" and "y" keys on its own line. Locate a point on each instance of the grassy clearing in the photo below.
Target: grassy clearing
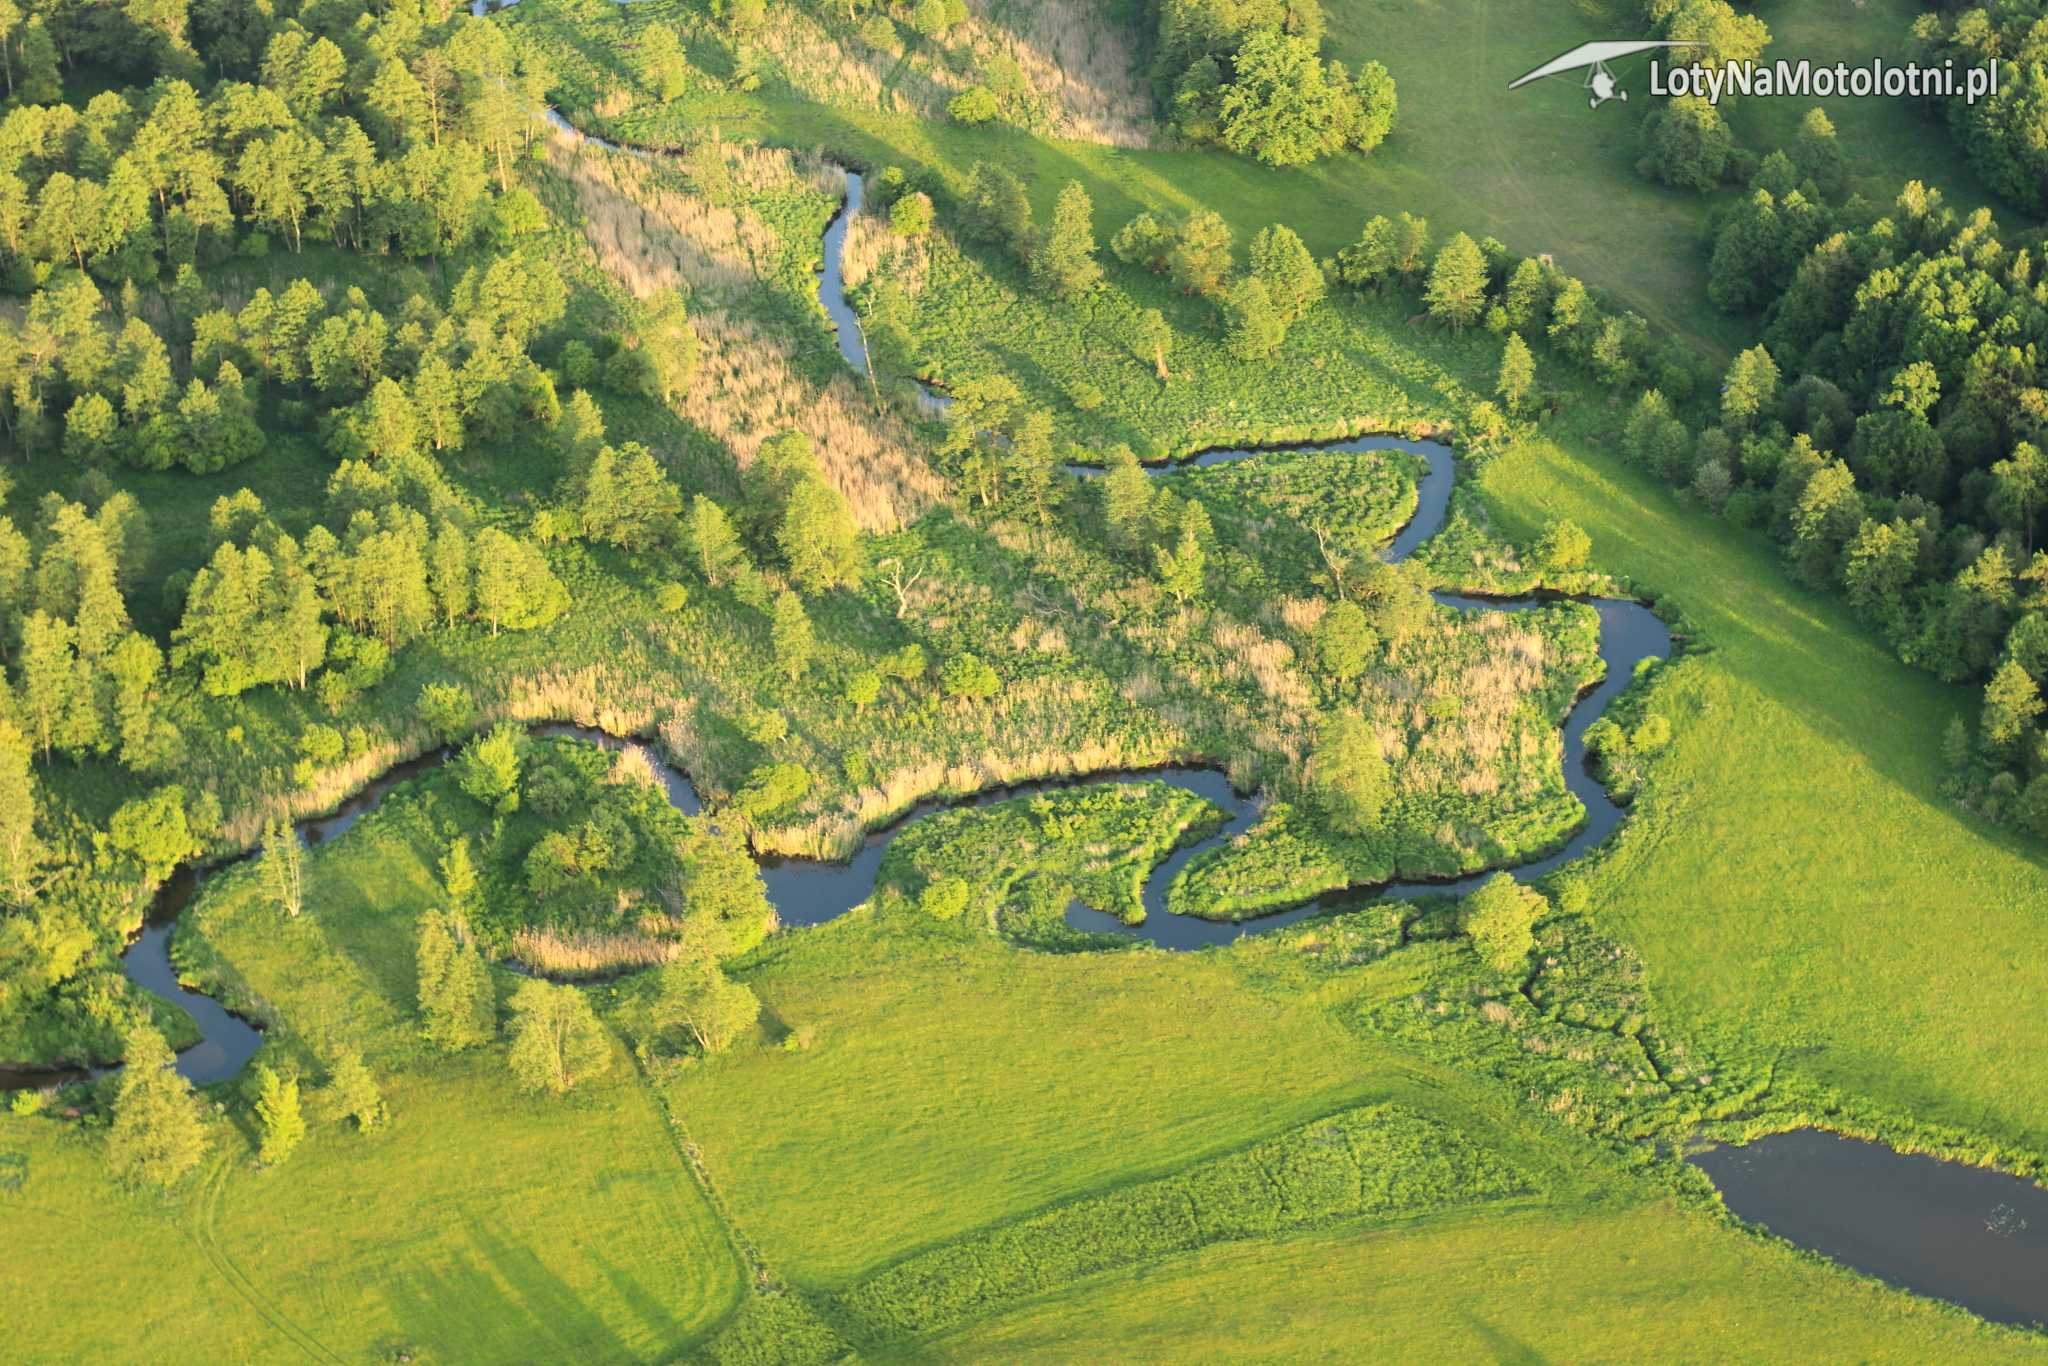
{"x": 1532, "y": 1285}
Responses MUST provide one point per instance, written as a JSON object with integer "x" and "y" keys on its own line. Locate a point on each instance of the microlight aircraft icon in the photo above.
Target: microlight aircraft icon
{"x": 1592, "y": 58}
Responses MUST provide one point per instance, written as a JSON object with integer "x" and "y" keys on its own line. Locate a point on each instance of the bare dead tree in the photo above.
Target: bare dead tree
{"x": 902, "y": 580}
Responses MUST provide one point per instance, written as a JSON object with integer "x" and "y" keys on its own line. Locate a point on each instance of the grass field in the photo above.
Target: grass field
{"x": 1792, "y": 872}
{"x": 1525, "y": 1286}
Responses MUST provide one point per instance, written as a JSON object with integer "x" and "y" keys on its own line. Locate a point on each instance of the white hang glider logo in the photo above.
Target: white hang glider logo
{"x": 1592, "y": 58}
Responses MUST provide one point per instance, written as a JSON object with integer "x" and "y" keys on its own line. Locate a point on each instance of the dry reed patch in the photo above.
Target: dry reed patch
{"x": 1077, "y": 63}
{"x": 748, "y": 388}
{"x": 653, "y": 235}
{"x": 873, "y": 249}
{"x": 589, "y": 953}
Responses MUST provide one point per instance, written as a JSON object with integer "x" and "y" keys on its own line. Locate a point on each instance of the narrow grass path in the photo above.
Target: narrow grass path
{"x": 206, "y": 1206}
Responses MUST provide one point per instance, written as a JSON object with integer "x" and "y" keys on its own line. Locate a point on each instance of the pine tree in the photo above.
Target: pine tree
{"x": 436, "y": 404}
{"x": 1457, "y": 283}
{"x": 514, "y": 586}
{"x": 1253, "y": 327}
{"x": 1153, "y": 341}
{"x": 997, "y": 209}
{"x": 51, "y": 692}
{"x": 1517, "y": 373}
{"x": 448, "y": 573}
{"x": 1201, "y": 255}
{"x": 1293, "y": 280}
{"x": 1065, "y": 262}
{"x": 1126, "y": 497}
{"x": 21, "y": 852}
{"x": 388, "y": 425}
{"x": 283, "y": 866}
{"x": 352, "y": 1093}
{"x": 158, "y": 1134}
{"x": 1183, "y": 570}
{"x": 719, "y": 553}
{"x": 791, "y": 635}
{"x": 280, "y": 1124}
{"x": 557, "y": 1040}
{"x": 458, "y": 877}
{"x": 458, "y": 1005}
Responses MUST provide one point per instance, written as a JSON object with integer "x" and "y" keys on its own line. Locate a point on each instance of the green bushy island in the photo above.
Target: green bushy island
{"x": 354, "y": 415}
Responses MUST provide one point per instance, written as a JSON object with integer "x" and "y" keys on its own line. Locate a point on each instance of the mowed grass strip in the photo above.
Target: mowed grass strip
{"x": 1376, "y": 1162}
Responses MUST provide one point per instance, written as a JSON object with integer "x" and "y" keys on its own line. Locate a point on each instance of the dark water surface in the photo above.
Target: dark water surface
{"x": 1977, "y": 1238}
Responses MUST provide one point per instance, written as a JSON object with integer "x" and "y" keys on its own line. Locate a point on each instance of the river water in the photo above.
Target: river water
{"x": 1975, "y": 1237}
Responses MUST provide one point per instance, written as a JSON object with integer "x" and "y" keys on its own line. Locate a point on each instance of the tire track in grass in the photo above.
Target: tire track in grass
{"x": 206, "y": 1233}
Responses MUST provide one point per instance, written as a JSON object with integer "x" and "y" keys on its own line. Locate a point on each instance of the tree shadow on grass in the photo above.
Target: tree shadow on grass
{"x": 497, "y": 1301}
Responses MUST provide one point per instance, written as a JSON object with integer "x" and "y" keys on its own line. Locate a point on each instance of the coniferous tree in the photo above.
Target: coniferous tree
{"x": 352, "y": 1093}
{"x": 158, "y": 1134}
{"x": 1293, "y": 280}
{"x": 515, "y": 589}
{"x": 458, "y": 1006}
{"x": 1517, "y": 373}
{"x": 791, "y": 635}
{"x": 280, "y": 1123}
{"x": 22, "y": 852}
{"x": 1154, "y": 340}
{"x": 1457, "y": 283}
{"x": 1183, "y": 567}
{"x": 1126, "y": 497}
{"x": 1200, "y": 257}
{"x": 1065, "y": 262}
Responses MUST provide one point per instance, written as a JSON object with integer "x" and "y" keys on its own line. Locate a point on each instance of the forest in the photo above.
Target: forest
{"x": 933, "y": 660}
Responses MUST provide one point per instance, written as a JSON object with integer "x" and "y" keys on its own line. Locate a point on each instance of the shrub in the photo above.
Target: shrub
{"x": 911, "y": 216}
{"x": 1500, "y": 919}
{"x": 972, "y": 106}
{"x": 945, "y": 898}
{"x": 880, "y": 34}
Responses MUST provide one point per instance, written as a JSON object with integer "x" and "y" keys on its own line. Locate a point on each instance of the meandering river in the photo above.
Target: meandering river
{"x": 1972, "y": 1236}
